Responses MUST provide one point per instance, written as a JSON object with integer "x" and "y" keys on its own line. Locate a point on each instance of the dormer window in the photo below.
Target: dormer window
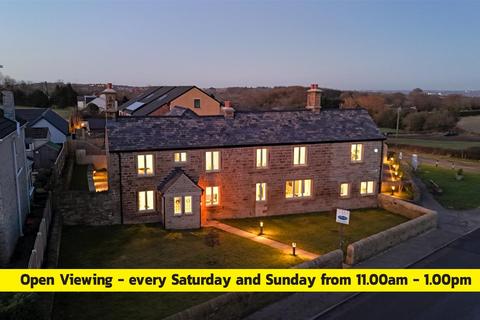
{"x": 145, "y": 165}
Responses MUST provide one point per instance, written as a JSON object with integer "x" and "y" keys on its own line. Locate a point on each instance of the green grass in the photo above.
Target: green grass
{"x": 456, "y": 194}
{"x": 149, "y": 246}
{"x": 318, "y": 232}
{"x": 79, "y": 178}
{"x": 443, "y": 144}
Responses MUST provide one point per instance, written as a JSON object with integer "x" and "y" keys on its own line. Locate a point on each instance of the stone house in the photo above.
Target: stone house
{"x": 15, "y": 182}
{"x": 184, "y": 170}
{"x": 158, "y": 101}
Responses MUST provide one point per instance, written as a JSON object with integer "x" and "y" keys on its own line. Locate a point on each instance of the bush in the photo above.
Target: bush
{"x": 414, "y": 121}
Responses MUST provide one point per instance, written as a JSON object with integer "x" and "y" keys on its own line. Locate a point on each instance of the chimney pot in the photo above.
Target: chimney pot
{"x": 109, "y": 85}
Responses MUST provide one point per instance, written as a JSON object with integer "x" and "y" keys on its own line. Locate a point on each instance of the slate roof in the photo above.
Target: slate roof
{"x": 171, "y": 178}
{"x": 96, "y": 123}
{"x": 7, "y": 126}
{"x": 245, "y": 129}
{"x": 154, "y": 98}
{"x": 33, "y": 115}
{"x": 36, "y": 133}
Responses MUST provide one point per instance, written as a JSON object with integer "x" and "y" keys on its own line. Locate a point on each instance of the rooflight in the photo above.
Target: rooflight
{"x": 134, "y": 106}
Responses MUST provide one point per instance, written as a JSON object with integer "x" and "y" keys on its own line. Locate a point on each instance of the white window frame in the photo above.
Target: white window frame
{"x": 180, "y": 157}
{"x": 187, "y": 209}
{"x": 261, "y": 192}
{"x": 366, "y": 185}
{"x": 261, "y": 158}
{"x": 145, "y": 158}
{"x": 348, "y": 190}
{"x": 209, "y": 196}
{"x": 299, "y": 184}
{"x": 297, "y": 156}
{"x": 210, "y": 165}
{"x": 175, "y": 211}
{"x": 147, "y": 195}
{"x": 354, "y": 150}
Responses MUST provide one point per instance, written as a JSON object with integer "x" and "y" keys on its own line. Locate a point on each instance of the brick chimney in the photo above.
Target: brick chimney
{"x": 314, "y": 98}
{"x": 228, "y": 111}
{"x": 8, "y": 105}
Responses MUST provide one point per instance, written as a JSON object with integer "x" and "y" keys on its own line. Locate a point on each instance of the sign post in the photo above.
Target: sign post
{"x": 342, "y": 217}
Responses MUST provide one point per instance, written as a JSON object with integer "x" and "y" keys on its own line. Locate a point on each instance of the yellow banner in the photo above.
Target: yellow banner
{"x": 238, "y": 280}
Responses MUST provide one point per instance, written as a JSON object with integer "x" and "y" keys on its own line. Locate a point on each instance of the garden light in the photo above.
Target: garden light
{"x": 261, "y": 227}
{"x": 294, "y": 246}
{"x": 393, "y": 190}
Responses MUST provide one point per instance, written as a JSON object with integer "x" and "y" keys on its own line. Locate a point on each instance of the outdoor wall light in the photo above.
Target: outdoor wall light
{"x": 294, "y": 246}
{"x": 375, "y": 150}
{"x": 261, "y": 227}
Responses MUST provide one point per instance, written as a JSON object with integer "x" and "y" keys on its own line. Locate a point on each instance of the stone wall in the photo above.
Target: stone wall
{"x": 88, "y": 208}
{"x": 237, "y": 305}
{"x": 328, "y": 165}
{"x": 422, "y": 220}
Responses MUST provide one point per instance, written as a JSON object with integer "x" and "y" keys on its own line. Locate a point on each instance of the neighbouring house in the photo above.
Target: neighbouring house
{"x": 158, "y": 101}
{"x": 182, "y": 170}
{"x": 15, "y": 182}
{"x": 35, "y": 138}
{"x": 46, "y": 118}
{"x": 105, "y": 101}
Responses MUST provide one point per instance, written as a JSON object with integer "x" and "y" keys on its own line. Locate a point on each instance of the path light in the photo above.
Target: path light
{"x": 261, "y": 227}
{"x": 294, "y": 246}
{"x": 393, "y": 190}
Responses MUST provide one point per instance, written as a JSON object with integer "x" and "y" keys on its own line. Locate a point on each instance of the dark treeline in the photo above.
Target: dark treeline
{"x": 37, "y": 95}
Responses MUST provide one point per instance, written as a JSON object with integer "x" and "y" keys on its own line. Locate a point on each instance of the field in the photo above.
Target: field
{"x": 150, "y": 246}
{"x": 471, "y": 124}
{"x": 318, "y": 232}
{"x": 442, "y": 144}
{"x": 456, "y": 194}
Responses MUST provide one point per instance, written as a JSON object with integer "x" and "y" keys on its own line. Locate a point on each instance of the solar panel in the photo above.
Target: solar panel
{"x": 134, "y": 106}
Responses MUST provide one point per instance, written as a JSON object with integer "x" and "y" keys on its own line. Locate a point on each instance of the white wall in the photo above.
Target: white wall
{"x": 56, "y": 135}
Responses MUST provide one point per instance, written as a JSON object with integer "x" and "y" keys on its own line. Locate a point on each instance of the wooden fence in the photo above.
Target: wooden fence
{"x": 40, "y": 246}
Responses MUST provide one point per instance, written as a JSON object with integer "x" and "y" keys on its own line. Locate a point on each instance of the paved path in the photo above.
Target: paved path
{"x": 452, "y": 225}
{"x": 269, "y": 242}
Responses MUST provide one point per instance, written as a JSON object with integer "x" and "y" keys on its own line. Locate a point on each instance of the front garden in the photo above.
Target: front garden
{"x": 318, "y": 232}
{"x": 150, "y": 246}
{"x": 455, "y": 193}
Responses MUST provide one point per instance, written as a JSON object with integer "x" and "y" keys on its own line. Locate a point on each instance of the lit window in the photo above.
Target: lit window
{"x": 177, "y": 206}
{"x": 196, "y": 103}
{"x": 188, "y": 204}
{"x": 145, "y": 164}
{"x": 262, "y": 158}
{"x": 211, "y": 196}
{"x": 299, "y": 156}
{"x": 344, "y": 190}
{"x": 180, "y": 157}
{"x": 356, "y": 152}
{"x": 261, "y": 193}
{"x": 212, "y": 160}
{"x": 298, "y": 188}
{"x": 146, "y": 201}
{"x": 367, "y": 187}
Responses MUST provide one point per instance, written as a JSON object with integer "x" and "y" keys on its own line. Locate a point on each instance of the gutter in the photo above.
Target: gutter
{"x": 17, "y": 187}
{"x": 121, "y": 189}
{"x": 381, "y": 170}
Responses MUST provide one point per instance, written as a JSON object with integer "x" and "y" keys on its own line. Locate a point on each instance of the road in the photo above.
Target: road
{"x": 463, "y": 253}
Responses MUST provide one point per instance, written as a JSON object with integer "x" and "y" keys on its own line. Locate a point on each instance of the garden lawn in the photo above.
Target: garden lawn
{"x": 318, "y": 232}
{"x": 442, "y": 144}
{"x": 150, "y": 246}
{"x": 456, "y": 194}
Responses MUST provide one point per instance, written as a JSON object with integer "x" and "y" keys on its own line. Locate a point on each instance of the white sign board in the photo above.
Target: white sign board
{"x": 343, "y": 216}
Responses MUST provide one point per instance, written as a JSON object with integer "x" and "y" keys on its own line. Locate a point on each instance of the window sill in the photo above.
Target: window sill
{"x": 145, "y": 175}
{"x": 300, "y": 165}
{"x": 368, "y": 194}
{"x": 299, "y": 198}
{"x": 146, "y": 211}
{"x": 212, "y": 171}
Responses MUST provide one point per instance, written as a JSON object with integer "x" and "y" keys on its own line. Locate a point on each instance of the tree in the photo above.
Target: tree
{"x": 38, "y": 99}
{"x": 414, "y": 121}
{"x": 64, "y": 96}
